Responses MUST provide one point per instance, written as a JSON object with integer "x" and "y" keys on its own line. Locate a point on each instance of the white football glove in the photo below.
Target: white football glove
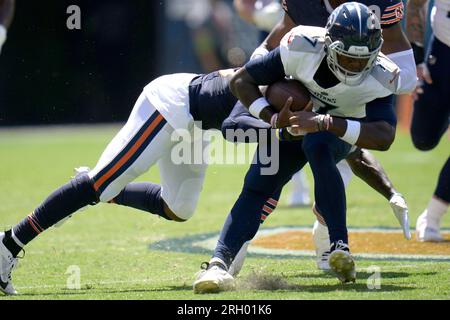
{"x": 2, "y": 36}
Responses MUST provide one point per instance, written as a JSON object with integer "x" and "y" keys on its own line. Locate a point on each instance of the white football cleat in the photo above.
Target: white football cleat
{"x": 78, "y": 171}
{"x": 321, "y": 240}
{"x": 342, "y": 263}
{"x": 7, "y": 265}
{"x": 398, "y": 205}
{"x": 238, "y": 261}
{"x": 214, "y": 278}
{"x": 426, "y": 231}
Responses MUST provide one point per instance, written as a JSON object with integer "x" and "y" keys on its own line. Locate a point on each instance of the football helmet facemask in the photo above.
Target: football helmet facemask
{"x": 353, "y": 40}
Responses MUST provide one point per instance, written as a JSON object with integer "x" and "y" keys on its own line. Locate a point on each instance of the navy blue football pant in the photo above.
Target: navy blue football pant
{"x": 322, "y": 150}
{"x": 432, "y": 111}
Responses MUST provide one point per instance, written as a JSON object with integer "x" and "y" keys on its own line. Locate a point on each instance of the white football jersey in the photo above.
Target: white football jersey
{"x": 440, "y": 20}
{"x": 302, "y": 52}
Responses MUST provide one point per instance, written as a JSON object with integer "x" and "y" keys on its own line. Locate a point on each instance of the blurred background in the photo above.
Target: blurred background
{"x": 50, "y": 74}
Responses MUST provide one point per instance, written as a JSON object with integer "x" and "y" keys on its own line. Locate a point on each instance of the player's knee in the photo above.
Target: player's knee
{"x": 423, "y": 140}
{"x": 84, "y": 186}
{"x": 316, "y": 151}
{"x": 423, "y": 144}
{"x": 180, "y": 212}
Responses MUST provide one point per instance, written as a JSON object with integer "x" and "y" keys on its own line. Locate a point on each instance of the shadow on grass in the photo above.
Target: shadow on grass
{"x": 268, "y": 282}
{"x": 362, "y": 275}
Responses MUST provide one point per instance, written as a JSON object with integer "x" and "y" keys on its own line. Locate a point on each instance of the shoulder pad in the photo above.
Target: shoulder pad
{"x": 305, "y": 39}
{"x": 387, "y": 73}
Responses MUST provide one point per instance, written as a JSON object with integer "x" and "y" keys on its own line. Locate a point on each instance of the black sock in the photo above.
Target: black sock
{"x": 67, "y": 199}
{"x": 443, "y": 187}
{"x": 10, "y": 244}
{"x": 144, "y": 196}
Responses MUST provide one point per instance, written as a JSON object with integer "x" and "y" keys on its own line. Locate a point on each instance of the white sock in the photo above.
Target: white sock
{"x": 435, "y": 210}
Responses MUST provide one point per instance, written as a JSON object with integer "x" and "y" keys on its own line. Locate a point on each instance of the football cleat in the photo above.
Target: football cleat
{"x": 238, "y": 261}
{"x": 426, "y": 231}
{"x": 398, "y": 205}
{"x": 7, "y": 265}
{"x": 321, "y": 240}
{"x": 78, "y": 171}
{"x": 213, "y": 278}
{"x": 342, "y": 263}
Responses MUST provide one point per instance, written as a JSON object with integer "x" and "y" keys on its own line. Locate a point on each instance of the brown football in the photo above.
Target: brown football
{"x": 280, "y": 91}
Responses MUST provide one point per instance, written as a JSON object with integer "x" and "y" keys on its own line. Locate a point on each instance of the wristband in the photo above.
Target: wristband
{"x": 257, "y": 106}
{"x": 352, "y": 133}
{"x": 2, "y": 35}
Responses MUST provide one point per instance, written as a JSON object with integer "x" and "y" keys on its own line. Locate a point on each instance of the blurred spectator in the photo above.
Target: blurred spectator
{"x": 264, "y": 14}
{"x": 204, "y": 35}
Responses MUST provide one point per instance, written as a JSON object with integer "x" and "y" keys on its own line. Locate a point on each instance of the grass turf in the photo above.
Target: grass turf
{"x": 110, "y": 244}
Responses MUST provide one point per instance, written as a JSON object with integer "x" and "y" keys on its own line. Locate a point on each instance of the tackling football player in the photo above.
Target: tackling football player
{"x": 167, "y": 104}
{"x": 343, "y": 63}
{"x": 432, "y": 107}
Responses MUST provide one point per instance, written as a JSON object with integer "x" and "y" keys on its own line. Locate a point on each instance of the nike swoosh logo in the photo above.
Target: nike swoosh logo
{"x": 395, "y": 77}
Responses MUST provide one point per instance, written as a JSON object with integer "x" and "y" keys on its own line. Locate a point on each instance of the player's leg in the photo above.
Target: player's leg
{"x": 323, "y": 150}
{"x": 321, "y": 237}
{"x": 365, "y": 166}
{"x": 182, "y": 183}
{"x": 268, "y": 208}
{"x": 429, "y": 122}
{"x": 243, "y": 221}
{"x": 133, "y": 150}
{"x": 240, "y": 120}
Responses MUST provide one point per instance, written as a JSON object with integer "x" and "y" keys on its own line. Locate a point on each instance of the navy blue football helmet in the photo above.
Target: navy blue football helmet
{"x": 353, "y": 31}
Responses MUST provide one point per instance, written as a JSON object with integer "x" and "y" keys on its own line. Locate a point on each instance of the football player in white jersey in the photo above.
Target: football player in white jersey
{"x": 361, "y": 162}
{"x": 352, "y": 85}
{"x": 6, "y": 17}
{"x": 432, "y": 107}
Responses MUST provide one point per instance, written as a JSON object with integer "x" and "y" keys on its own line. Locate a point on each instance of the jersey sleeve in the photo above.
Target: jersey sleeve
{"x": 381, "y": 109}
{"x": 389, "y": 12}
{"x": 267, "y": 69}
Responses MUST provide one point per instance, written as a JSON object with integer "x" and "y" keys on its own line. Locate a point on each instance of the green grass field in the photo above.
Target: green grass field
{"x": 110, "y": 244}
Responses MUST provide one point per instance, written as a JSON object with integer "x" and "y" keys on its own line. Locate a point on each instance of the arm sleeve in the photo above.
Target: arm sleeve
{"x": 408, "y": 72}
{"x": 381, "y": 109}
{"x": 267, "y": 69}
